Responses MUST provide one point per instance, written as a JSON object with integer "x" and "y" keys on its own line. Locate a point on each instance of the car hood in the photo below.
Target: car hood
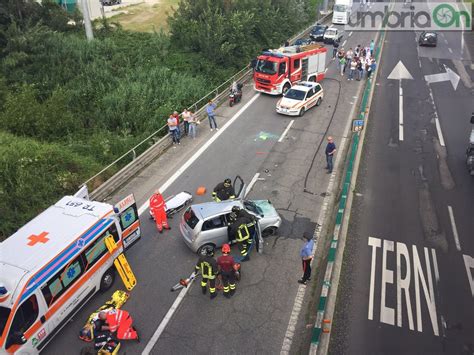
{"x": 289, "y": 103}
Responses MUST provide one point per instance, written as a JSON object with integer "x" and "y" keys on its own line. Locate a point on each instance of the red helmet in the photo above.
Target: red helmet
{"x": 226, "y": 248}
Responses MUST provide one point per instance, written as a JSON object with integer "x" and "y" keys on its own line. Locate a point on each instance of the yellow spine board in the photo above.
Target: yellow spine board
{"x": 122, "y": 265}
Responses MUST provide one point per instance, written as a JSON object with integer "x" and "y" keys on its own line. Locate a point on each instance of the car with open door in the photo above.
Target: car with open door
{"x": 205, "y": 225}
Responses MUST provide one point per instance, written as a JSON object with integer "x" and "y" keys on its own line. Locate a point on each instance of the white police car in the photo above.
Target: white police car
{"x": 300, "y": 98}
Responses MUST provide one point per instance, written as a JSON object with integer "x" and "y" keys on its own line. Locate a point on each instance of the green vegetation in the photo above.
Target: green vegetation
{"x": 69, "y": 107}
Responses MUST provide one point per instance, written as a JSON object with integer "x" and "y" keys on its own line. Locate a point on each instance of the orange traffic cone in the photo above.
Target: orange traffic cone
{"x": 201, "y": 190}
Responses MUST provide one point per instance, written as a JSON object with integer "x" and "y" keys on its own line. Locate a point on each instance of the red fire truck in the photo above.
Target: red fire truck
{"x": 277, "y": 70}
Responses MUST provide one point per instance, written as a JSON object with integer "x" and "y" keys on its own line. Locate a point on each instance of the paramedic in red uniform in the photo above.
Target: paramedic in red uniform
{"x": 119, "y": 321}
{"x": 157, "y": 208}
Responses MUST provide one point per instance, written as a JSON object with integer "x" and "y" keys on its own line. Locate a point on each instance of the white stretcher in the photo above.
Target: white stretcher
{"x": 176, "y": 203}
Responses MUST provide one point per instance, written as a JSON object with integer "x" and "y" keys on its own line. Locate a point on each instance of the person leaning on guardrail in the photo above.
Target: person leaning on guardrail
{"x": 186, "y": 114}
{"x": 174, "y": 129}
{"x": 193, "y": 122}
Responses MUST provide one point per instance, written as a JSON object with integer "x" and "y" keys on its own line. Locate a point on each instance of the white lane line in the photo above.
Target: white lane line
{"x": 435, "y": 264}
{"x": 166, "y": 319}
{"x": 440, "y": 134}
{"x": 350, "y": 33}
{"x": 252, "y": 182}
{"x": 438, "y": 125}
{"x": 469, "y": 264}
{"x": 344, "y": 43}
{"x": 450, "y": 50}
{"x": 285, "y": 131}
{"x": 455, "y": 229}
{"x": 400, "y": 112}
{"x": 445, "y": 40}
{"x": 198, "y": 153}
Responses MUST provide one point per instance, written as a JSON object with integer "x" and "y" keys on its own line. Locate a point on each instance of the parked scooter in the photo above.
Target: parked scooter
{"x": 235, "y": 95}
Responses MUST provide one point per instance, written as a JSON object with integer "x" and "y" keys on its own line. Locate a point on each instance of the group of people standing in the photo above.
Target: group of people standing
{"x": 357, "y": 62}
{"x": 190, "y": 121}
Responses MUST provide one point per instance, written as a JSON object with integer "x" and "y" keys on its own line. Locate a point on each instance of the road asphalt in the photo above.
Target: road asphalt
{"x": 406, "y": 284}
{"x": 255, "y": 320}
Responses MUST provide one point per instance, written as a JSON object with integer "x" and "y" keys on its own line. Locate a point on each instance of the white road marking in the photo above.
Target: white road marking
{"x": 400, "y": 112}
{"x": 403, "y": 283}
{"x": 374, "y": 243}
{"x": 344, "y": 43}
{"x": 435, "y": 264}
{"x": 387, "y": 314}
{"x": 427, "y": 291}
{"x": 252, "y": 182}
{"x": 198, "y": 153}
{"x": 350, "y": 33}
{"x": 469, "y": 263}
{"x": 445, "y": 40}
{"x": 414, "y": 271}
{"x": 440, "y": 134}
{"x": 285, "y": 131}
{"x": 450, "y": 50}
{"x": 166, "y": 319}
{"x": 455, "y": 230}
{"x": 438, "y": 125}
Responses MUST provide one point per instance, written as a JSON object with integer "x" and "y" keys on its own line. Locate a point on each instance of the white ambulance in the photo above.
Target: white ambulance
{"x": 55, "y": 263}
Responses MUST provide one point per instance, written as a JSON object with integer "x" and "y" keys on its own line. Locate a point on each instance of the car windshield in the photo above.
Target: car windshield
{"x": 317, "y": 29}
{"x": 340, "y": 8}
{"x": 266, "y": 67}
{"x": 430, "y": 35}
{"x": 190, "y": 218}
{"x": 4, "y": 313}
{"x": 252, "y": 207}
{"x": 330, "y": 33}
{"x": 295, "y": 94}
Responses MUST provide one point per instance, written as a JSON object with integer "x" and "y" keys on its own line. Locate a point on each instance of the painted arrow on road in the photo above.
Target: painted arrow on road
{"x": 398, "y": 73}
{"x": 449, "y": 75}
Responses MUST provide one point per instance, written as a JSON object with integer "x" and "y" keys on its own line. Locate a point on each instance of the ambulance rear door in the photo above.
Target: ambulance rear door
{"x": 129, "y": 220}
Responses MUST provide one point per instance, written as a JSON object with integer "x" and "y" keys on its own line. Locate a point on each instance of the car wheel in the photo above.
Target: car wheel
{"x": 267, "y": 232}
{"x": 286, "y": 87}
{"x": 302, "y": 111}
{"x": 208, "y": 247}
{"x": 107, "y": 280}
{"x": 319, "y": 101}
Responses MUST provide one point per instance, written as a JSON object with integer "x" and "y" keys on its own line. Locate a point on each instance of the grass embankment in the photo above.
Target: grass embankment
{"x": 149, "y": 16}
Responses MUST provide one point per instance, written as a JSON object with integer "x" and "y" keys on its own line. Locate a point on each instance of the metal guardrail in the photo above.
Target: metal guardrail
{"x": 108, "y": 180}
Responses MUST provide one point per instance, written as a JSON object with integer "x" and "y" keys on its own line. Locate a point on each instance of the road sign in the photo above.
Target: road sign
{"x": 357, "y": 125}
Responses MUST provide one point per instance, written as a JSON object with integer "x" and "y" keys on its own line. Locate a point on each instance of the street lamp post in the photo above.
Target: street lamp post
{"x": 87, "y": 20}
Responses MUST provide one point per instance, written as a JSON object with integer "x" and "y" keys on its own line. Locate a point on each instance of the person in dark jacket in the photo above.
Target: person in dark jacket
{"x": 207, "y": 266}
{"x": 242, "y": 229}
{"x": 223, "y": 191}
